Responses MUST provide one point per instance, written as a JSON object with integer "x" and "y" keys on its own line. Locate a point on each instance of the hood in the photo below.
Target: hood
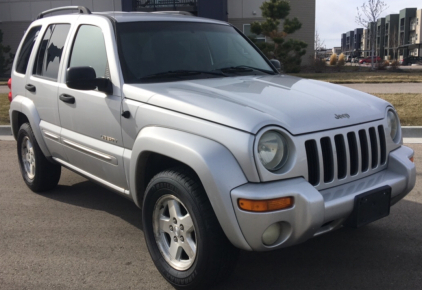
{"x": 249, "y": 103}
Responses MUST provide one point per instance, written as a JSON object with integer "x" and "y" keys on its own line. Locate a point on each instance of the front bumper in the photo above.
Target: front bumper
{"x": 316, "y": 212}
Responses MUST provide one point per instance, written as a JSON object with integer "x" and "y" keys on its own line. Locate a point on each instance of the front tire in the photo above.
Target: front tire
{"x": 182, "y": 233}
{"x": 38, "y": 173}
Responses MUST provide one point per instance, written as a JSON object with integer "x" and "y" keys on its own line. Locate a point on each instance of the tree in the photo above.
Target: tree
{"x": 369, "y": 13}
{"x": 6, "y": 57}
{"x": 394, "y": 42}
{"x": 319, "y": 44}
{"x": 288, "y": 52}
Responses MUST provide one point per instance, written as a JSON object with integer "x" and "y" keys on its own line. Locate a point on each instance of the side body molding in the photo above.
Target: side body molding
{"x": 27, "y": 107}
{"x": 216, "y": 167}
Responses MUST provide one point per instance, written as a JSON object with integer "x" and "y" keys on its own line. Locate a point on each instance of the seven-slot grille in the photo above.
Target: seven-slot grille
{"x": 345, "y": 155}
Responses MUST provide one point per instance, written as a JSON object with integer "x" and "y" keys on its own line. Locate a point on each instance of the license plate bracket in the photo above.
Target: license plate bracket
{"x": 369, "y": 207}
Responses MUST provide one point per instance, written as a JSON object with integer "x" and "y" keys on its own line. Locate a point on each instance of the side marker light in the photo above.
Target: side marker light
{"x": 265, "y": 205}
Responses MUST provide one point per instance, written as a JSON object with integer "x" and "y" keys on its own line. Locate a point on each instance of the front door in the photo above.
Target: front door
{"x": 90, "y": 120}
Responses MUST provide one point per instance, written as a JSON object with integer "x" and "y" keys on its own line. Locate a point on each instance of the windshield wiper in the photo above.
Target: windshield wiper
{"x": 245, "y": 68}
{"x": 176, "y": 73}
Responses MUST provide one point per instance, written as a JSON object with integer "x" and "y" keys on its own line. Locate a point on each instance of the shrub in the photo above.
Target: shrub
{"x": 318, "y": 64}
{"x": 6, "y": 57}
{"x": 382, "y": 64}
{"x": 341, "y": 60}
{"x": 333, "y": 59}
{"x": 395, "y": 64}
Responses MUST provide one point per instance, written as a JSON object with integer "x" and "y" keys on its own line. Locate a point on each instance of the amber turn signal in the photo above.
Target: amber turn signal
{"x": 411, "y": 159}
{"x": 265, "y": 205}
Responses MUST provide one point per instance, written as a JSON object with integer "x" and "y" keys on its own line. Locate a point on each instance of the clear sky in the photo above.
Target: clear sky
{"x": 334, "y": 17}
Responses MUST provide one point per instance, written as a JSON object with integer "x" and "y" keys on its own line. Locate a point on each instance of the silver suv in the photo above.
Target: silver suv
{"x": 187, "y": 118}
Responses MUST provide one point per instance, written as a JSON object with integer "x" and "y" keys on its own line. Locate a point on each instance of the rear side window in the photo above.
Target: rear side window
{"x": 89, "y": 50}
{"x": 26, "y": 49}
{"x": 50, "y": 51}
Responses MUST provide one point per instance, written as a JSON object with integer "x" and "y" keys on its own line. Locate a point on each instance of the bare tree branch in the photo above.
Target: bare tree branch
{"x": 368, "y": 13}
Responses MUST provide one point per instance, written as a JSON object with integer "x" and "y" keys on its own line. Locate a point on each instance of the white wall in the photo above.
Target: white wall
{"x": 244, "y": 8}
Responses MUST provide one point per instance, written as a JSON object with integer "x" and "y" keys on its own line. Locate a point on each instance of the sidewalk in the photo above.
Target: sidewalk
{"x": 387, "y": 88}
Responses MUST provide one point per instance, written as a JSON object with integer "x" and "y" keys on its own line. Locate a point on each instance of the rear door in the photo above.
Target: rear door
{"x": 91, "y": 131}
{"x": 42, "y": 86}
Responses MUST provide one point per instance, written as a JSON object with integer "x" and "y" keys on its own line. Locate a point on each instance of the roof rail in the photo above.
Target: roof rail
{"x": 81, "y": 10}
{"x": 174, "y": 12}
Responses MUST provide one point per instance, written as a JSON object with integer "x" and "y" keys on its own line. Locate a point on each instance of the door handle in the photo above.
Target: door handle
{"x": 30, "y": 88}
{"x": 67, "y": 98}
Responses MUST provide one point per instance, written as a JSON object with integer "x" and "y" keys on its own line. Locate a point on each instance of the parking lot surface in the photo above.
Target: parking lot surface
{"x": 82, "y": 236}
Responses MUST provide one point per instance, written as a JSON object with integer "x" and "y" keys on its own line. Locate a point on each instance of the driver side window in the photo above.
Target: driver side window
{"x": 89, "y": 50}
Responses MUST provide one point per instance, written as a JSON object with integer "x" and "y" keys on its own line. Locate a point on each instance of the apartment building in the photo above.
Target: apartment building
{"x": 404, "y": 35}
{"x": 415, "y": 47}
{"x": 391, "y": 39}
{"x": 396, "y": 36}
{"x": 379, "y": 42}
{"x": 351, "y": 42}
{"x": 16, "y": 15}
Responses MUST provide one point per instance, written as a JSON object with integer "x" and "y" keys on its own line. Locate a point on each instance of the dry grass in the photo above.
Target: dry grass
{"x": 408, "y": 106}
{"x": 366, "y": 77}
{"x": 4, "y": 110}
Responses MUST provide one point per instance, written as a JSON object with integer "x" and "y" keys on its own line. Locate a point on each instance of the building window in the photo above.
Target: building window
{"x": 248, "y": 33}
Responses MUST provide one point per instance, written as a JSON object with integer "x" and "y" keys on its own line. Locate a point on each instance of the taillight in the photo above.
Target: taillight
{"x": 9, "y": 84}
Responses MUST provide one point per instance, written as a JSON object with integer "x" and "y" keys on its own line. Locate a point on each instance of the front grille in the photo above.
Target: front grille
{"x": 345, "y": 155}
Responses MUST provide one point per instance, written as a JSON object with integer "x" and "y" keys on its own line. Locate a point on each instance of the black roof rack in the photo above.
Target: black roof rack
{"x": 81, "y": 10}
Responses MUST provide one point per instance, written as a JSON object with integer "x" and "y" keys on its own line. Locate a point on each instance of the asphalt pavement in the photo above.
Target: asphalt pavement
{"x": 82, "y": 236}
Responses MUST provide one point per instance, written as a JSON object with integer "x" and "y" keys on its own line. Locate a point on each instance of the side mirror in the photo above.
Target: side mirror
{"x": 84, "y": 78}
{"x": 276, "y": 63}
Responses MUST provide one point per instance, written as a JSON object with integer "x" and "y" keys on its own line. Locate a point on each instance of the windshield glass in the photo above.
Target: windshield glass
{"x": 163, "y": 51}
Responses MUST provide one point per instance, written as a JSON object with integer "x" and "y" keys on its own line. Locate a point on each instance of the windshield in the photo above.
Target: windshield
{"x": 168, "y": 51}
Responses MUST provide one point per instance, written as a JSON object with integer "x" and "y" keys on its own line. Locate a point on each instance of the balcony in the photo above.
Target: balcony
{"x": 163, "y": 5}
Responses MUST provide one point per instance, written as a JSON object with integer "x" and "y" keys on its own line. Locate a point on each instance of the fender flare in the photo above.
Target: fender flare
{"x": 214, "y": 164}
{"x": 27, "y": 107}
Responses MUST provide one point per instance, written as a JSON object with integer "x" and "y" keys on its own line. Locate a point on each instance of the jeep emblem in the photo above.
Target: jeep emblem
{"x": 342, "y": 116}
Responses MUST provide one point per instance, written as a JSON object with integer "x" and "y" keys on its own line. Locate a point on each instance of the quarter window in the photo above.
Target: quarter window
{"x": 50, "y": 52}
{"x": 89, "y": 50}
{"x": 26, "y": 49}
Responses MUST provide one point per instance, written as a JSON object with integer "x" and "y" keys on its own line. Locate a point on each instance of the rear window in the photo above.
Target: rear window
{"x": 26, "y": 49}
{"x": 50, "y": 52}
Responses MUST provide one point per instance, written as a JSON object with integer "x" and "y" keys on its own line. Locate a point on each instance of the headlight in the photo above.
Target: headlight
{"x": 393, "y": 125}
{"x": 272, "y": 150}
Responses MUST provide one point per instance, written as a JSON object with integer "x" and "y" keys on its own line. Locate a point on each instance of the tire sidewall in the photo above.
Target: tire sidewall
{"x": 162, "y": 186}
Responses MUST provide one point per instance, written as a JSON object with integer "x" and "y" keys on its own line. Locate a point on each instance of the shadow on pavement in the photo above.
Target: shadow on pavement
{"x": 89, "y": 195}
{"x": 386, "y": 254}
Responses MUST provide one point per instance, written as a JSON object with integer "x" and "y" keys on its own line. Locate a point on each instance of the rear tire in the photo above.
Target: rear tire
{"x": 194, "y": 255}
{"x": 38, "y": 173}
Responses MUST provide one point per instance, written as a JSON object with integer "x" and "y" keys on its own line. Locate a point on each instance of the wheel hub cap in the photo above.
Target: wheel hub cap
{"x": 174, "y": 232}
{"x": 28, "y": 157}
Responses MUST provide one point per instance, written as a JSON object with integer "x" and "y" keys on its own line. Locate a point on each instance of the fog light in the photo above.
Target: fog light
{"x": 271, "y": 234}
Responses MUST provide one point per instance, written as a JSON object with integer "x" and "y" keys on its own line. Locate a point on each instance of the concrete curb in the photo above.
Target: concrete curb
{"x": 408, "y": 131}
{"x": 5, "y": 130}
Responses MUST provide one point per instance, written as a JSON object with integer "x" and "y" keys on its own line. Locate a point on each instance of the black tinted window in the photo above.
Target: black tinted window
{"x": 26, "y": 49}
{"x": 50, "y": 52}
{"x": 89, "y": 50}
{"x": 147, "y": 48}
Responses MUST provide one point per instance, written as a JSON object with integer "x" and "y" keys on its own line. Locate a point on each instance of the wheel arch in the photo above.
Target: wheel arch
{"x": 213, "y": 163}
{"x": 23, "y": 110}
